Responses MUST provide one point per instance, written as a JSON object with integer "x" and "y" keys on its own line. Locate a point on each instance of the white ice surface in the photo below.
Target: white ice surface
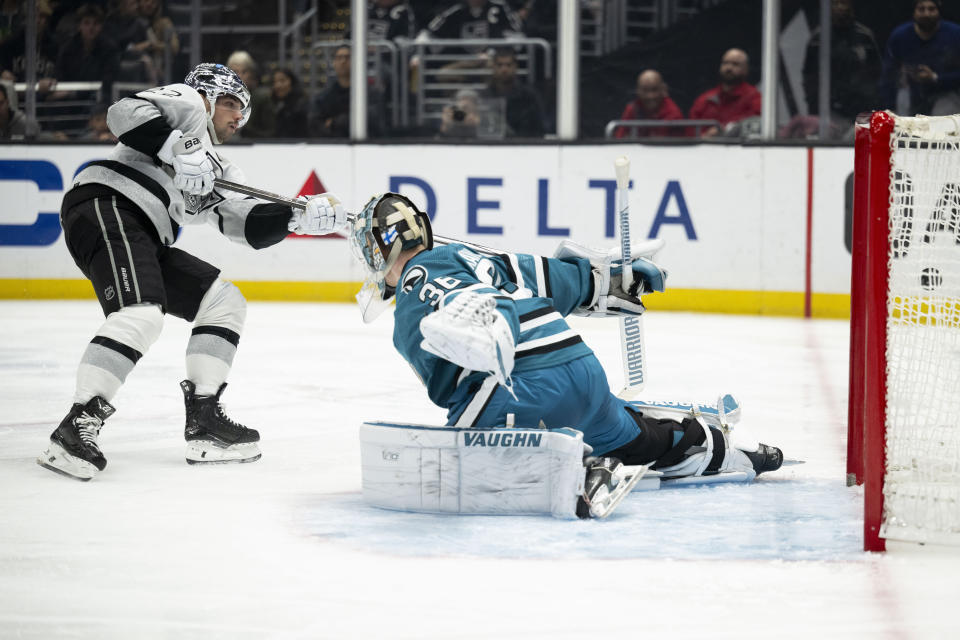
{"x": 285, "y": 547}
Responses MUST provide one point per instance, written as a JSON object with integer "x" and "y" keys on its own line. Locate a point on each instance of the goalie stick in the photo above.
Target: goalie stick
{"x": 631, "y": 327}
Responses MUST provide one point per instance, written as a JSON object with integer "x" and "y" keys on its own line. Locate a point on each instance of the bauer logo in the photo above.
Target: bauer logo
{"x": 499, "y": 439}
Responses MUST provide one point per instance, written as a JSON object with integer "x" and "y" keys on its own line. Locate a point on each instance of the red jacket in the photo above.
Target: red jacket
{"x": 668, "y": 111}
{"x": 742, "y": 101}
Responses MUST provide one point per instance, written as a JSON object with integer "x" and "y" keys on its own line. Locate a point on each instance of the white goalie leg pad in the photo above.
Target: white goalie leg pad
{"x": 724, "y": 414}
{"x": 735, "y": 462}
{"x": 469, "y": 331}
{"x": 500, "y": 471}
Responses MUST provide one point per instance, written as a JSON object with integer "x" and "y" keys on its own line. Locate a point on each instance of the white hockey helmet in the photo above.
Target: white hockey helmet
{"x": 214, "y": 80}
{"x": 389, "y": 224}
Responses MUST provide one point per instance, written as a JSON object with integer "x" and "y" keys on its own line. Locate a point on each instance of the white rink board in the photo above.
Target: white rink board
{"x": 734, "y": 217}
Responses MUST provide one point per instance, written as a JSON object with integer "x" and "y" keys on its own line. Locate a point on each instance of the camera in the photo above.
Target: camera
{"x": 459, "y": 114}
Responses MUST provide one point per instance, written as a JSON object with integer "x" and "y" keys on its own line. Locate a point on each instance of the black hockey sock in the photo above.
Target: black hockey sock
{"x": 655, "y": 440}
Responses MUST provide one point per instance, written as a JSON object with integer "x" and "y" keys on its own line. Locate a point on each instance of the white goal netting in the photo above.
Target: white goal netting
{"x": 922, "y": 480}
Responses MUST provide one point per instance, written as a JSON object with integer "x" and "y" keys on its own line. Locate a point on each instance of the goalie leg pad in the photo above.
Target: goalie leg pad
{"x": 472, "y": 471}
{"x": 725, "y": 413}
{"x": 683, "y": 449}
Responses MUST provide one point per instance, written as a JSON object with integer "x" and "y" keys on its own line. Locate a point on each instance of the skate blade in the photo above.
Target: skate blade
{"x": 208, "y": 452}
{"x": 56, "y": 459}
{"x": 605, "y": 504}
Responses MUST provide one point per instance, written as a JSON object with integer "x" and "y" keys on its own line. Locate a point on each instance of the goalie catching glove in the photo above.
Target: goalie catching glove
{"x": 608, "y": 296}
{"x": 321, "y": 215}
{"x": 468, "y": 331}
{"x": 194, "y": 172}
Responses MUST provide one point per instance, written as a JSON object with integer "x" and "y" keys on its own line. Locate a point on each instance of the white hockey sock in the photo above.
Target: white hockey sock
{"x": 216, "y": 333}
{"x": 209, "y": 358}
{"x": 111, "y": 355}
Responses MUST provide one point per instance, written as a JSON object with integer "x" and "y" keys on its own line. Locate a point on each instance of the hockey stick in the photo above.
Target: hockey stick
{"x": 631, "y": 327}
{"x": 299, "y": 204}
{"x": 266, "y": 195}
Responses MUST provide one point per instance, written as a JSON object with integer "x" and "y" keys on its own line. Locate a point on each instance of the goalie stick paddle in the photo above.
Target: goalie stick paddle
{"x": 631, "y": 327}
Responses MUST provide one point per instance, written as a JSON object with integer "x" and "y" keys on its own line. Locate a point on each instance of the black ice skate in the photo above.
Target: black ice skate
{"x": 765, "y": 458}
{"x": 211, "y": 436}
{"x": 73, "y": 449}
{"x": 607, "y": 483}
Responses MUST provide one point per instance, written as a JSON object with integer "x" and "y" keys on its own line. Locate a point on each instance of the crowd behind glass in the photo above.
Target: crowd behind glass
{"x": 129, "y": 43}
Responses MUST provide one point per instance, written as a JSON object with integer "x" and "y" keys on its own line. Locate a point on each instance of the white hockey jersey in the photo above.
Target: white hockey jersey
{"x": 142, "y": 123}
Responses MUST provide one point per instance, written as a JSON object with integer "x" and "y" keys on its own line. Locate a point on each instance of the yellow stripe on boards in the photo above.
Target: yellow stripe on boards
{"x": 772, "y": 303}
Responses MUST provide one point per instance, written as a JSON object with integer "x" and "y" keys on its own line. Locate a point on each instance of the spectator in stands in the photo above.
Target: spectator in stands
{"x": 475, "y": 19}
{"x": 390, "y": 19}
{"x": 128, "y": 30}
{"x": 13, "y": 60}
{"x": 89, "y": 55}
{"x": 538, "y": 19}
{"x": 921, "y": 64}
{"x": 472, "y": 19}
{"x": 730, "y": 101}
{"x": 14, "y": 125}
{"x": 461, "y": 119}
{"x": 425, "y": 10}
{"x": 97, "y": 129}
{"x": 332, "y": 106}
{"x": 263, "y": 119}
{"x": 289, "y": 105}
{"x": 854, "y": 67}
{"x": 162, "y": 36}
{"x": 524, "y": 112}
{"x": 652, "y": 103}
{"x": 11, "y": 18}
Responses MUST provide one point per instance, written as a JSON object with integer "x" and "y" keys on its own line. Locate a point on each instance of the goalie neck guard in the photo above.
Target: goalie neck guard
{"x": 389, "y": 224}
{"x": 215, "y": 80}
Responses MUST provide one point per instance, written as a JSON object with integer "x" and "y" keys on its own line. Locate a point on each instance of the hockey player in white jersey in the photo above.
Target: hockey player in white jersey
{"x": 486, "y": 334}
{"x": 120, "y": 218}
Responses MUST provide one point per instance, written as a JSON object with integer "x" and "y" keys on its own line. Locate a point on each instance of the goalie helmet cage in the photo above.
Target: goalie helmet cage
{"x": 904, "y": 402}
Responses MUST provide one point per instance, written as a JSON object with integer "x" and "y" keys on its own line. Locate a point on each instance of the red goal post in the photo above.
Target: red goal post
{"x": 904, "y": 401}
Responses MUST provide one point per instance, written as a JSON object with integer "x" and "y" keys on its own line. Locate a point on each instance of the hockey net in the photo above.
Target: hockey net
{"x": 904, "y": 437}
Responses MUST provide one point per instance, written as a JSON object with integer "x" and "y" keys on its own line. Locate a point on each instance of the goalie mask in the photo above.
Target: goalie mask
{"x": 389, "y": 224}
{"x": 215, "y": 80}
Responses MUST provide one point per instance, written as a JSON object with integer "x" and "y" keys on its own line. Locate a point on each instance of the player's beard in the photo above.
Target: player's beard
{"x": 224, "y": 132}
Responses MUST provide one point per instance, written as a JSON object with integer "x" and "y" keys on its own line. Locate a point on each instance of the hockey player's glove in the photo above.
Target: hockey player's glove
{"x": 470, "y": 332}
{"x": 607, "y": 296}
{"x": 194, "y": 172}
{"x": 323, "y": 214}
